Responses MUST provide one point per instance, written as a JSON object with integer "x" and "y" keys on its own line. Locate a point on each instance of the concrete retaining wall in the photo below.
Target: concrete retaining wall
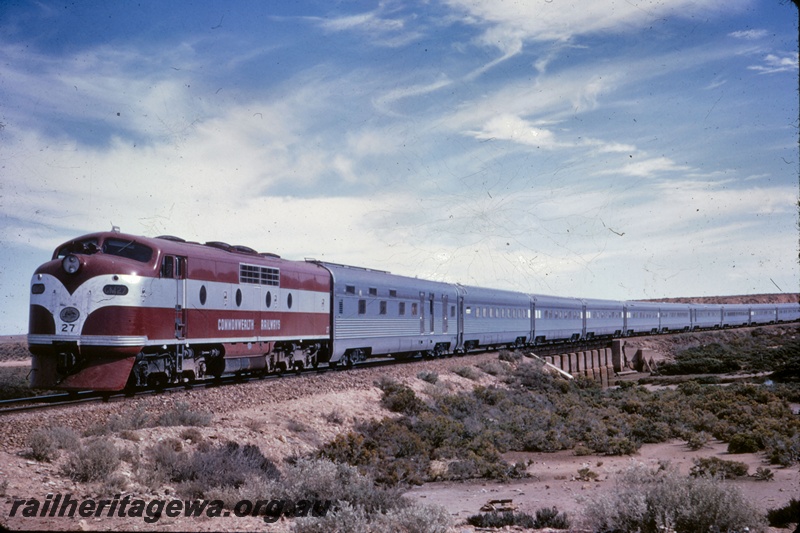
{"x": 595, "y": 364}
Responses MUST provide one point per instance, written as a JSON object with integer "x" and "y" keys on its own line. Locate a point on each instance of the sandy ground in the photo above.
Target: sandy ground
{"x": 554, "y": 483}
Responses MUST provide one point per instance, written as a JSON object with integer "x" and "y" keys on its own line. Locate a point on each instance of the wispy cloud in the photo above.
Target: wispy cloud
{"x": 773, "y": 63}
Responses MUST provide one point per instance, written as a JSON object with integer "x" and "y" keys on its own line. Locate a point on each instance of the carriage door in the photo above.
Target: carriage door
{"x": 460, "y": 321}
{"x": 444, "y": 313}
{"x": 422, "y": 312}
{"x": 430, "y": 305}
{"x": 174, "y": 268}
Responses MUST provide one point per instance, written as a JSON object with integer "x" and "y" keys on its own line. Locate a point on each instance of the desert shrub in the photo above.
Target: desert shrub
{"x": 335, "y": 416}
{"x": 399, "y": 398}
{"x": 224, "y": 466}
{"x": 320, "y": 479}
{"x": 92, "y": 462}
{"x": 545, "y": 517}
{"x": 493, "y": 368}
{"x": 783, "y": 516}
{"x": 763, "y": 474}
{"x": 716, "y": 467}
{"x": 182, "y": 414}
{"x": 348, "y": 518}
{"x": 429, "y": 376}
{"x": 502, "y": 519}
{"x": 192, "y": 434}
{"x": 697, "y": 440}
{"x": 783, "y": 450}
{"x": 352, "y": 448}
{"x": 650, "y": 501}
{"x": 587, "y": 474}
{"x": 43, "y": 448}
{"x": 468, "y": 372}
{"x": 710, "y": 359}
{"x": 550, "y": 517}
{"x": 509, "y": 356}
{"x": 46, "y": 443}
{"x": 14, "y": 383}
{"x": 744, "y": 443}
{"x": 65, "y": 438}
{"x": 296, "y": 426}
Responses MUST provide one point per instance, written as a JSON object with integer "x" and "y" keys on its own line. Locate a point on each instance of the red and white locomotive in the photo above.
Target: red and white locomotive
{"x": 111, "y": 310}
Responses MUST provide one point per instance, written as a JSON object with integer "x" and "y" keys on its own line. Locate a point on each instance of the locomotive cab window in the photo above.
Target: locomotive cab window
{"x": 128, "y": 249}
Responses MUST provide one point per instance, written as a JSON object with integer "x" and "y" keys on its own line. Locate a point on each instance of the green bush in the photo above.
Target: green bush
{"x": 716, "y": 467}
{"x": 400, "y": 398}
{"x": 783, "y": 516}
{"x": 744, "y": 443}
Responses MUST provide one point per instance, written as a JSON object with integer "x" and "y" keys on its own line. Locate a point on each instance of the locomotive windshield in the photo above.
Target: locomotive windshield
{"x": 127, "y": 248}
{"x": 111, "y": 246}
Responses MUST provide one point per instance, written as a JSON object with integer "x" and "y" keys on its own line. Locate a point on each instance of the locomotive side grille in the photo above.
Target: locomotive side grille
{"x": 259, "y": 275}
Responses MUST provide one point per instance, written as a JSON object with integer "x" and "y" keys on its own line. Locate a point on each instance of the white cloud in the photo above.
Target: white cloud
{"x": 749, "y": 35}
{"x": 773, "y": 63}
{"x": 560, "y": 21}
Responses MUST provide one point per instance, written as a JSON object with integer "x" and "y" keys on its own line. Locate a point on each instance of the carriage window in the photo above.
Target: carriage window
{"x": 392, "y": 293}
{"x": 373, "y": 291}
{"x": 401, "y": 309}
{"x": 362, "y": 307}
{"x": 383, "y": 307}
{"x": 414, "y": 309}
{"x": 350, "y": 289}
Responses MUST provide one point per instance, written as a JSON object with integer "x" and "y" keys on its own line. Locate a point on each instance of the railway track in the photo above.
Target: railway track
{"x": 56, "y": 400}
{"x": 17, "y": 405}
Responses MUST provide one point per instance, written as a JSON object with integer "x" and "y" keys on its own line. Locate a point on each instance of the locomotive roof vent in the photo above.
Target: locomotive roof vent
{"x": 219, "y": 244}
{"x": 171, "y": 238}
{"x": 244, "y": 249}
{"x": 269, "y": 254}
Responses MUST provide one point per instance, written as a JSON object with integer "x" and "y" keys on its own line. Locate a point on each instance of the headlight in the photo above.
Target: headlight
{"x": 71, "y": 264}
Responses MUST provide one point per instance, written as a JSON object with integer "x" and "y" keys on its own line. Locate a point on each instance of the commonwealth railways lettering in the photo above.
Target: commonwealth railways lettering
{"x": 246, "y": 324}
{"x": 235, "y": 324}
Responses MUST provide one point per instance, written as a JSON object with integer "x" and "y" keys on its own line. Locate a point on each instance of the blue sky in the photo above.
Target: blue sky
{"x": 600, "y": 149}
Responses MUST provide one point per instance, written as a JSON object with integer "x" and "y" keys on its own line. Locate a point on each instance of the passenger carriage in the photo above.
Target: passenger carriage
{"x": 377, "y": 313}
{"x": 494, "y": 317}
{"x": 557, "y": 319}
{"x": 603, "y": 318}
{"x": 642, "y": 318}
